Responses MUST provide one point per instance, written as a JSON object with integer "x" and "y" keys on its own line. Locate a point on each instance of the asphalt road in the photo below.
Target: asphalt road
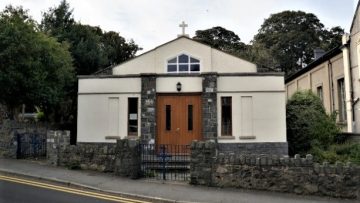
{"x": 18, "y": 190}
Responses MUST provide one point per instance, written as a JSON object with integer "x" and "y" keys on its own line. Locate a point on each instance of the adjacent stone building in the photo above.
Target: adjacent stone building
{"x": 181, "y": 91}
{"x": 325, "y": 77}
{"x": 335, "y": 77}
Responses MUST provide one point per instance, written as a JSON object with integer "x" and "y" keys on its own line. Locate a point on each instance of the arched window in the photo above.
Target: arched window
{"x": 183, "y": 64}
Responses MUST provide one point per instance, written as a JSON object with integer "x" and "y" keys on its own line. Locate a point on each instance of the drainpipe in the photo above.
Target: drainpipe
{"x": 347, "y": 81}
{"x": 331, "y": 86}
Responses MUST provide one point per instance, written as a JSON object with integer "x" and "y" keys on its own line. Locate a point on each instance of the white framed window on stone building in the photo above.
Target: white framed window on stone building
{"x": 133, "y": 116}
{"x": 226, "y": 116}
{"x": 341, "y": 100}
{"x": 183, "y": 63}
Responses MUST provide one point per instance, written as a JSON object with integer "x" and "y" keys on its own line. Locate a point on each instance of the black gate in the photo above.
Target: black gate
{"x": 31, "y": 145}
{"x": 165, "y": 162}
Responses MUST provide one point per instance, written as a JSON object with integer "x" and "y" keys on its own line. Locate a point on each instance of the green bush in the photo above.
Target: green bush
{"x": 338, "y": 152}
{"x": 308, "y": 125}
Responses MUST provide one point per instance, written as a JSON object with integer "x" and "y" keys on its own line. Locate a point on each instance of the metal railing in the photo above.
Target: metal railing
{"x": 165, "y": 161}
{"x": 31, "y": 145}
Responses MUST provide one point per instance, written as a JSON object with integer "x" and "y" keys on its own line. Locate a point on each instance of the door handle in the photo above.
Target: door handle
{"x": 177, "y": 129}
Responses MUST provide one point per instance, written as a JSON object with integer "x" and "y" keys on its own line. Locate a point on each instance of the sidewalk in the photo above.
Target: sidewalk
{"x": 169, "y": 191}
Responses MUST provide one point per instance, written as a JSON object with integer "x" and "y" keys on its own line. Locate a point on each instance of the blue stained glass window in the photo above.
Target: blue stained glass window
{"x": 171, "y": 68}
{"x": 183, "y": 58}
{"x": 183, "y": 63}
{"x": 183, "y": 68}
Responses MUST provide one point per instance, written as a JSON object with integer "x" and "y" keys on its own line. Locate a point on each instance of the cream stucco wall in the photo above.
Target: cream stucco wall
{"x": 303, "y": 83}
{"x": 267, "y": 92}
{"x": 291, "y": 88}
{"x": 268, "y": 112}
{"x": 93, "y": 117}
{"x": 250, "y": 83}
{"x": 268, "y": 107}
{"x": 211, "y": 60}
{"x": 93, "y": 106}
{"x": 188, "y": 84}
{"x": 109, "y": 85}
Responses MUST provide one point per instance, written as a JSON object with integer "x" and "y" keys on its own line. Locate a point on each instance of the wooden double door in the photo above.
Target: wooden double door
{"x": 178, "y": 119}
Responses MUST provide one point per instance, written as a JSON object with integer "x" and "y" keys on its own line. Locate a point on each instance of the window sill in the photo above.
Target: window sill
{"x": 226, "y": 137}
{"x": 132, "y": 137}
{"x": 112, "y": 137}
{"x": 248, "y": 137}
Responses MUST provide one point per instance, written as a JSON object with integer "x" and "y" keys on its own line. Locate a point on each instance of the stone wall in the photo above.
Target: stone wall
{"x": 209, "y": 105}
{"x": 9, "y": 132}
{"x": 3, "y": 113}
{"x": 88, "y": 156}
{"x": 275, "y": 148}
{"x": 272, "y": 172}
{"x": 122, "y": 157}
{"x": 8, "y": 142}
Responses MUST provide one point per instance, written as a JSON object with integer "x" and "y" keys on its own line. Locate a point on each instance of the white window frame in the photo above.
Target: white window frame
{"x": 178, "y": 64}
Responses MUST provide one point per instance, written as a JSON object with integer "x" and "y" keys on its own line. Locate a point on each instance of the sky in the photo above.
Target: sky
{"x": 153, "y": 22}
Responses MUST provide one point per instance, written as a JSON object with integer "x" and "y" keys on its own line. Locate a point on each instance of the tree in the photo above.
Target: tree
{"x": 223, "y": 39}
{"x": 290, "y": 38}
{"x": 58, "y": 21}
{"x": 308, "y": 125}
{"x": 116, "y": 47}
{"x": 332, "y": 38}
{"x": 34, "y": 68}
{"x": 91, "y": 48}
{"x": 86, "y": 48}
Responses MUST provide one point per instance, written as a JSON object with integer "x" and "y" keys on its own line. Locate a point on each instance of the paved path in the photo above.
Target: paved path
{"x": 169, "y": 191}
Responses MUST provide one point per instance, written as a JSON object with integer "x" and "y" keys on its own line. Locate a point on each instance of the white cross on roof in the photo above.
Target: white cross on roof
{"x": 183, "y": 25}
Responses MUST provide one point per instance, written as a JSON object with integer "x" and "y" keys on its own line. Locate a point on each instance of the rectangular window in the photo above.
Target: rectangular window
{"x": 183, "y": 67}
{"x": 172, "y": 68}
{"x": 195, "y": 67}
{"x": 319, "y": 92}
{"x": 133, "y": 116}
{"x": 246, "y": 116}
{"x": 341, "y": 100}
{"x": 190, "y": 117}
{"x": 226, "y": 118}
{"x": 168, "y": 117}
{"x": 113, "y": 122}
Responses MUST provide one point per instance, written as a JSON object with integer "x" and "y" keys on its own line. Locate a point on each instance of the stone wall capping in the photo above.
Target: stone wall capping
{"x": 276, "y": 148}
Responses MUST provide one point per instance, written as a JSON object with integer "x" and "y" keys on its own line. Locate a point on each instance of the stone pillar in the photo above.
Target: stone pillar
{"x": 57, "y": 142}
{"x": 128, "y": 163}
{"x": 202, "y": 162}
{"x": 148, "y": 107}
{"x": 8, "y": 139}
{"x": 209, "y": 106}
